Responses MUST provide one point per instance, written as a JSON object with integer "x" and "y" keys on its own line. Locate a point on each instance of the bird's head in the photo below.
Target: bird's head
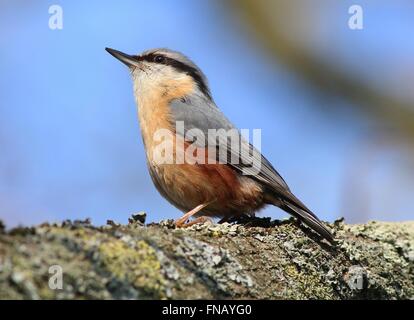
{"x": 163, "y": 71}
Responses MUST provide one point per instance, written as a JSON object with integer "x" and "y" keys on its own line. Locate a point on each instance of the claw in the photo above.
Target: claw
{"x": 181, "y": 222}
{"x": 199, "y": 220}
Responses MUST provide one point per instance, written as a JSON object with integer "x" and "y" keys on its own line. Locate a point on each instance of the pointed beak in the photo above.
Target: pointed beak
{"x": 127, "y": 59}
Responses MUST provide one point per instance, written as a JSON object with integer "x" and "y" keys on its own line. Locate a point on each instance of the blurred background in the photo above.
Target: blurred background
{"x": 335, "y": 105}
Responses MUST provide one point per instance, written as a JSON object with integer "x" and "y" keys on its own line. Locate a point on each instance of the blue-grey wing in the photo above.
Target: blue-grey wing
{"x": 202, "y": 114}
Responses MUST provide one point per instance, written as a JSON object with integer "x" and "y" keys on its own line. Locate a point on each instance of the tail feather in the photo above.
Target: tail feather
{"x": 308, "y": 218}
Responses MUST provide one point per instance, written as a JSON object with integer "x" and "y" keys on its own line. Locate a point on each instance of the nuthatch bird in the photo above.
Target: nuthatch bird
{"x": 169, "y": 88}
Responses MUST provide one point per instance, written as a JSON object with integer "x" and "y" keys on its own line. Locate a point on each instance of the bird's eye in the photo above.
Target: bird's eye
{"x": 159, "y": 59}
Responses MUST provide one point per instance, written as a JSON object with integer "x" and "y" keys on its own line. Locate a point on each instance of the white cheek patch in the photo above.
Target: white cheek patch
{"x": 153, "y": 76}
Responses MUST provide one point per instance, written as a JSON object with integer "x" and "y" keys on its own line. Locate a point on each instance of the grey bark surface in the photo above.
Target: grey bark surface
{"x": 261, "y": 259}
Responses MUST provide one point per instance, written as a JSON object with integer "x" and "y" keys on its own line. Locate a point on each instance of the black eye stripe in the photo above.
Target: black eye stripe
{"x": 180, "y": 66}
{"x": 159, "y": 59}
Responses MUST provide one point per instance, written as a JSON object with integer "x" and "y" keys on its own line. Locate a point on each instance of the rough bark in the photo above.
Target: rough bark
{"x": 259, "y": 260}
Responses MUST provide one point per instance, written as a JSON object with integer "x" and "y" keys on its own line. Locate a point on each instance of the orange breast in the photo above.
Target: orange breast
{"x": 188, "y": 185}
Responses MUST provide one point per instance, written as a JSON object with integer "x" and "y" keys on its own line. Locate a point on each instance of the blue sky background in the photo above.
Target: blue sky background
{"x": 69, "y": 137}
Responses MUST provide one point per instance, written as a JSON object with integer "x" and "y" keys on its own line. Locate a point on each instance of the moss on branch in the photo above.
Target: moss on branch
{"x": 262, "y": 259}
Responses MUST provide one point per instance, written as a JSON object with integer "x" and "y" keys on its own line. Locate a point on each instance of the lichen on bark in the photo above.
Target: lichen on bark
{"x": 259, "y": 259}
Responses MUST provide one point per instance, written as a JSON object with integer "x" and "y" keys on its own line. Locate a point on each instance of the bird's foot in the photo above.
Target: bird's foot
{"x": 198, "y": 220}
{"x": 182, "y": 222}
